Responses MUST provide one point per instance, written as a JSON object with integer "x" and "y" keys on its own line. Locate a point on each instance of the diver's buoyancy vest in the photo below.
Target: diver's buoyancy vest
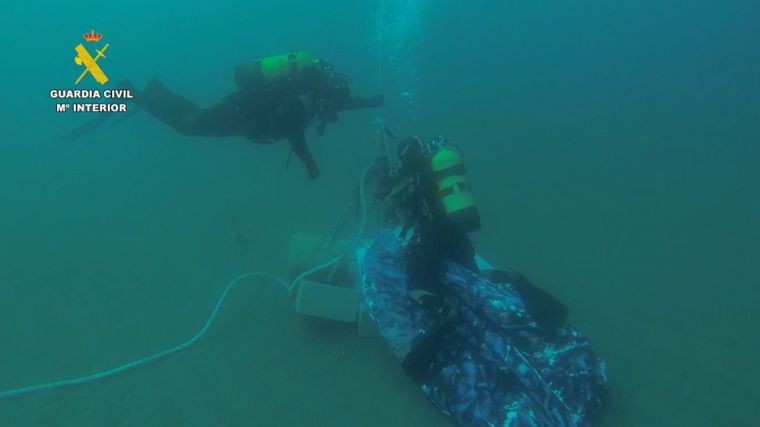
{"x": 271, "y": 70}
{"x": 454, "y": 190}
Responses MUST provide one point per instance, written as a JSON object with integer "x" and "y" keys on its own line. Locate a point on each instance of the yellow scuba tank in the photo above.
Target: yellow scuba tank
{"x": 271, "y": 69}
{"x": 454, "y": 189}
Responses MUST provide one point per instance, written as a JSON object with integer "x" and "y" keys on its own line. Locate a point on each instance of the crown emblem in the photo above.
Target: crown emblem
{"x": 92, "y": 36}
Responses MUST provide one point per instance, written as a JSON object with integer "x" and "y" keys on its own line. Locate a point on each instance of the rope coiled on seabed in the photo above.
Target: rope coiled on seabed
{"x": 290, "y": 287}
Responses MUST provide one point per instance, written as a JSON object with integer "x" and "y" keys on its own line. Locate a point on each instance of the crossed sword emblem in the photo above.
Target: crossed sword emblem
{"x": 90, "y": 64}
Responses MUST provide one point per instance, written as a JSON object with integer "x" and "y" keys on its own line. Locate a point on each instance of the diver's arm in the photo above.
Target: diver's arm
{"x": 298, "y": 144}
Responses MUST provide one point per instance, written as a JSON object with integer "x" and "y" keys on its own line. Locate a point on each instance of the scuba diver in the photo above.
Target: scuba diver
{"x": 487, "y": 347}
{"x": 278, "y": 97}
{"x": 440, "y": 218}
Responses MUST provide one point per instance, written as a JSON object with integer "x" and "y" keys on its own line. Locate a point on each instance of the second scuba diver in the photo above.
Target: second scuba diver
{"x": 278, "y": 97}
{"x": 487, "y": 347}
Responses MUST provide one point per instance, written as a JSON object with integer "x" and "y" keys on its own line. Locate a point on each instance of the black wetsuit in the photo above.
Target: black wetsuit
{"x": 264, "y": 115}
{"x": 413, "y": 197}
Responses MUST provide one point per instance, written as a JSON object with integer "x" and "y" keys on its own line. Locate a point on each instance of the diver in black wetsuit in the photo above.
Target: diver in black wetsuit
{"x": 487, "y": 347}
{"x": 486, "y": 351}
{"x": 278, "y": 98}
{"x": 413, "y": 200}
{"x": 429, "y": 202}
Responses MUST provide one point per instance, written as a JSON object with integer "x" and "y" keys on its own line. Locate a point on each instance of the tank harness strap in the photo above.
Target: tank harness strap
{"x": 455, "y": 189}
{"x": 454, "y": 170}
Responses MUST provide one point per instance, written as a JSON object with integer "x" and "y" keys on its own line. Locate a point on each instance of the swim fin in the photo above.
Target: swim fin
{"x": 549, "y": 312}
{"x": 101, "y": 119}
{"x": 87, "y": 127}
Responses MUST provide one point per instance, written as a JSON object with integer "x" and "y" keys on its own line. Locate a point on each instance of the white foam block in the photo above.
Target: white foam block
{"x": 327, "y": 301}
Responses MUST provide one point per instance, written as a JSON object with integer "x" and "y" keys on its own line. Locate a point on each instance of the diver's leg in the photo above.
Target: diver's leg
{"x": 298, "y": 144}
{"x": 424, "y": 263}
{"x": 86, "y": 127}
{"x": 459, "y": 249}
{"x": 185, "y": 117}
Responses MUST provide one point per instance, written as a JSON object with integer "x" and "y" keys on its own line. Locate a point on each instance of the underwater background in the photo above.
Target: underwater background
{"x": 612, "y": 147}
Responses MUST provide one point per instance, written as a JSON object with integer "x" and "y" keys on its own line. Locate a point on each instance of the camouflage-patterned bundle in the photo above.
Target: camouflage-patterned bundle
{"x": 493, "y": 365}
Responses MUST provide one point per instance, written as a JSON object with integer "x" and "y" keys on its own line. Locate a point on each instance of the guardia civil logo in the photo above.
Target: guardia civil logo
{"x": 89, "y": 62}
